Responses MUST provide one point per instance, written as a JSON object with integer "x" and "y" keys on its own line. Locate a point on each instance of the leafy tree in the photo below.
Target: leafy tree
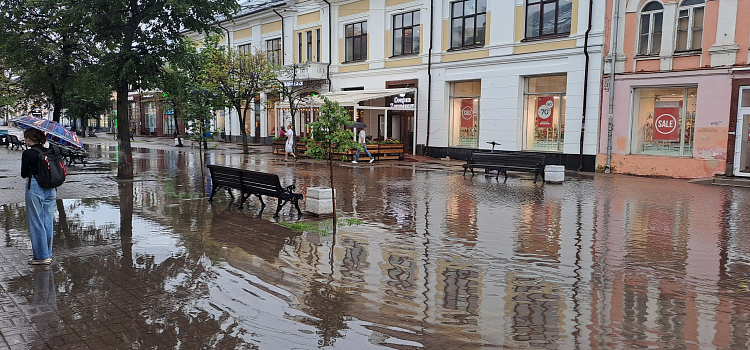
{"x": 86, "y": 99}
{"x": 11, "y": 92}
{"x": 140, "y": 37}
{"x": 331, "y": 135}
{"x": 47, "y": 42}
{"x": 177, "y": 80}
{"x": 239, "y": 77}
{"x": 291, "y": 88}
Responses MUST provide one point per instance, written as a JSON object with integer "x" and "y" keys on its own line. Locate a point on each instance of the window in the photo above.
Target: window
{"x": 649, "y": 41}
{"x": 464, "y": 130}
{"x": 548, "y": 17}
{"x": 244, "y": 49}
{"x": 308, "y": 35}
{"x": 406, "y": 33}
{"x": 664, "y": 121}
{"x": 299, "y": 47}
{"x": 690, "y": 25}
{"x": 317, "y": 45}
{"x": 468, "y": 23}
{"x": 273, "y": 50}
{"x": 544, "y": 113}
{"x": 356, "y": 42}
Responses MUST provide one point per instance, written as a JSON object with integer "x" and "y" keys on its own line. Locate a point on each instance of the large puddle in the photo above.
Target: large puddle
{"x": 440, "y": 261}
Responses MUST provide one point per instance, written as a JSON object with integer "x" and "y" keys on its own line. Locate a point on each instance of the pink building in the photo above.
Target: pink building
{"x": 681, "y": 92}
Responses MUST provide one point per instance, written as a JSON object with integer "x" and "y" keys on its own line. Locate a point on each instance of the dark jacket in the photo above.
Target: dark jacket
{"x": 29, "y": 159}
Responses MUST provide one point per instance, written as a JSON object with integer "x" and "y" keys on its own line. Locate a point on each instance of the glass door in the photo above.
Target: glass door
{"x": 742, "y": 141}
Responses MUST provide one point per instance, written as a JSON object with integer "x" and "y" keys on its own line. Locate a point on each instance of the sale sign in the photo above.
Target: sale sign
{"x": 546, "y": 106}
{"x": 666, "y": 122}
{"x": 467, "y": 113}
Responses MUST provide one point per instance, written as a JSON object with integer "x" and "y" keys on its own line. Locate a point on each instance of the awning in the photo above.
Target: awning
{"x": 349, "y": 98}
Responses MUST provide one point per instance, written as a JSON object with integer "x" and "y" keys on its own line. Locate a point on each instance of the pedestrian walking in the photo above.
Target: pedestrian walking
{"x": 289, "y": 147}
{"x": 363, "y": 142}
{"x": 40, "y": 202}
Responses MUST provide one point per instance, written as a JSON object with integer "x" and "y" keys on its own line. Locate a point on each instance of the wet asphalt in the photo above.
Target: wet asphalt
{"x": 434, "y": 260}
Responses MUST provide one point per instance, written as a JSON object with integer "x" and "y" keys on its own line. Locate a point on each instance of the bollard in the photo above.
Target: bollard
{"x": 554, "y": 174}
{"x": 319, "y": 200}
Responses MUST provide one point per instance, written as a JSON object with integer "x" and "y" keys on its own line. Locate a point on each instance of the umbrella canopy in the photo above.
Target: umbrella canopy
{"x": 55, "y": 132}
{"x": 358, "y": 125}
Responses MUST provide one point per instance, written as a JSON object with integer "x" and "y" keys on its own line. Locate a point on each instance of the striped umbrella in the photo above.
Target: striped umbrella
{"x": 55, "y": 132}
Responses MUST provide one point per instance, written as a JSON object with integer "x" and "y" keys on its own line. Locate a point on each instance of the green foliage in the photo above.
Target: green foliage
{"x": 330, "y": 133}
{"x": 320, "y": 227}
{"x": 238, "y": 77}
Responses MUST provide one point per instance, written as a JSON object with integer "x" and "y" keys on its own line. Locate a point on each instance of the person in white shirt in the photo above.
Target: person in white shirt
{"x": 363, "y": 142}
{"x": 289, "y": 146}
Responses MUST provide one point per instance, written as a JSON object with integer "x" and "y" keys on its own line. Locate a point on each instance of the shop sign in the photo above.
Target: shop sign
{"x": 665, "y": 122}
{"x": 402, "y": 102}
{"x": 544, "y": 111}
{"x": 467, "y": 113}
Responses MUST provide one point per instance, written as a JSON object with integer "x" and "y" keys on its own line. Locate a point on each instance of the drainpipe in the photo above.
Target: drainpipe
{"x": 613, "y": 69}
{"x": 429, "y": 76}
{"x": 283, "y": 47}
{"x": 585, "y": 82}
{"x": 330, "y": 45}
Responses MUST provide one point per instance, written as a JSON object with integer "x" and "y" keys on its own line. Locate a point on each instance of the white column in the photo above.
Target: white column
{"x": 263, "y": 115}
{"x": 724, "y": 51}
{"x": 385, "y": 127}
{"x": 668, "y": 32}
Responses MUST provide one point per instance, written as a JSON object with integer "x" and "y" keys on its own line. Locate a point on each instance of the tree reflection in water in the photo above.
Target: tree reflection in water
{"x": 329, "y": 305}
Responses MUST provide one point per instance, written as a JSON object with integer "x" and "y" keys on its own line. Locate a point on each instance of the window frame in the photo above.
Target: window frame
{"x": 317, "y": 45}
{"x": 361, "y": 37}
{"x": 463, "y": 17}
{"x": 541, "y": 35}
{"x": 274, "y": 54}
{"x": 651, "y": 13}
{"x": 691, "y": 28}
{"x": 414, "y": 27}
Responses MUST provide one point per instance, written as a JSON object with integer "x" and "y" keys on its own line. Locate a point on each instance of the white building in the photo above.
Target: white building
{"x": 516, "y": 72}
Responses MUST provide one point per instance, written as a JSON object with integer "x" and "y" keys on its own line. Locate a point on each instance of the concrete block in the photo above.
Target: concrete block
{"x": 319, "y": 206}
{"x": 319, "y": 193}
{"x": 554, "y": 173}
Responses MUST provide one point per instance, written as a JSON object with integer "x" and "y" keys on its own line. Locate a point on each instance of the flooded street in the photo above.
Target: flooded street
{"x": 439, "y": 261}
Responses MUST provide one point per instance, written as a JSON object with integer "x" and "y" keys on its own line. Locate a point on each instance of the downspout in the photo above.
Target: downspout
{"x": 330, "y": 45}
{"x": 613, "y": 69}
{"x": 585, "y": 82}
{"x": 429, "y": 75}
{"x": 283, "y": 47}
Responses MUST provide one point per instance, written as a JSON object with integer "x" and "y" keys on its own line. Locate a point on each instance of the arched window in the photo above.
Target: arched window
{"x": 690, "y": 25}
{"x": 649, "y": 36}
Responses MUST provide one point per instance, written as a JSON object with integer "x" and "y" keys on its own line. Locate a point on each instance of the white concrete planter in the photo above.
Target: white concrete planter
{"x": 554, "y": 174}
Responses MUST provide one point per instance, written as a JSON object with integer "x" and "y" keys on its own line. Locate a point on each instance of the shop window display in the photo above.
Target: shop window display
{"x": 464, "y": 131}
{"x": 544, "y": 113}
{"x": 664, "y": 120}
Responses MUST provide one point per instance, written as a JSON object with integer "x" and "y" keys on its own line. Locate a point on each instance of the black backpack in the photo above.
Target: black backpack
{"x": 51, "y": 170}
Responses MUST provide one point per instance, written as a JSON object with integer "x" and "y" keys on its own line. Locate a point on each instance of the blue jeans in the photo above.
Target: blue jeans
{"x": 40, "y": 212}
{"x": 366, "y": 151}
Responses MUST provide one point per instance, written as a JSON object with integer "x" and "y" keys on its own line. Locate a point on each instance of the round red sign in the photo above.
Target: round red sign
{"x": 665, "y": 124}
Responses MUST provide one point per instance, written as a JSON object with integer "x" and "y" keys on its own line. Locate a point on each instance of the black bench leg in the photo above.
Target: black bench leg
{"x": 465, "y": 171}
{"x": 296, "y": 205}
{"x": 505, "y": 172}
{"x": 535, "y": 176}
{"x": 278, "y": 207}
{"x": 262, "y": 204}
{"x": 213, "y": 192}
{"x": 229, "y": 191}
{"x": 243, "y": 198}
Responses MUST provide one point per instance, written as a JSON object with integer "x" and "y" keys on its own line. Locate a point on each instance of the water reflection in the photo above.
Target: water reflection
{"x": 440, "y": 262}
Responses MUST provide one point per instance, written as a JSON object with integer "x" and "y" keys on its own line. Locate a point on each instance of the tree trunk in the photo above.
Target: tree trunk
{"x": 333, "y": 189}
{"x": 124, "y": 151}
{"x": 57, "y": 108}
{"x": 242, "y": 114}
{"x": 176, "y": 128}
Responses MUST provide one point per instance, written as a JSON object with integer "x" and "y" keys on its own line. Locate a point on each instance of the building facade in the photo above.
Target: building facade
{"x": 525, "y": 74}
{"x": 680, "y": 97}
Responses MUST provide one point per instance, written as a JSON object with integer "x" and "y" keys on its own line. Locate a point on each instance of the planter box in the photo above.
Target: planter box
{"x": 391, "y": 151}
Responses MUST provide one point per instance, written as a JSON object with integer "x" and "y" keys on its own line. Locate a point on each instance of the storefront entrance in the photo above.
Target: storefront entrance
{"x": 742, "y": 141}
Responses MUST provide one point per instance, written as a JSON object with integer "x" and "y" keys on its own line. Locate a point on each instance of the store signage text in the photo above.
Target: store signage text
{"x": 544, "y": 112}
{"x": 665, "y": 123}
{"x": 402, "y": 102}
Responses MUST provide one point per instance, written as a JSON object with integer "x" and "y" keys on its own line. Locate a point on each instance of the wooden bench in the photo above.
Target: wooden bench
{"x": 15, "y": 143}
{"x": 249, "y": 183}
{"x": 503, "y": 162}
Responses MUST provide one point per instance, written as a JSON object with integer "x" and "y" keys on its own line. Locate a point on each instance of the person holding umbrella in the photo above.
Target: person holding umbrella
{"x": 362, "y": 136}
{"x": 40, "y": 202}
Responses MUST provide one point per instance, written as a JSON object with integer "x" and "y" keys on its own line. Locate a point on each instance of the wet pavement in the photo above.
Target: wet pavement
{"x": 439, "y": 261}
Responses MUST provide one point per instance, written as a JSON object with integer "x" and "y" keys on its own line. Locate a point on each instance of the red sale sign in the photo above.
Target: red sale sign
{"x": 666, "y": 121}
{"x": 544, "y": 111}
{"x": 467, "y": 113}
